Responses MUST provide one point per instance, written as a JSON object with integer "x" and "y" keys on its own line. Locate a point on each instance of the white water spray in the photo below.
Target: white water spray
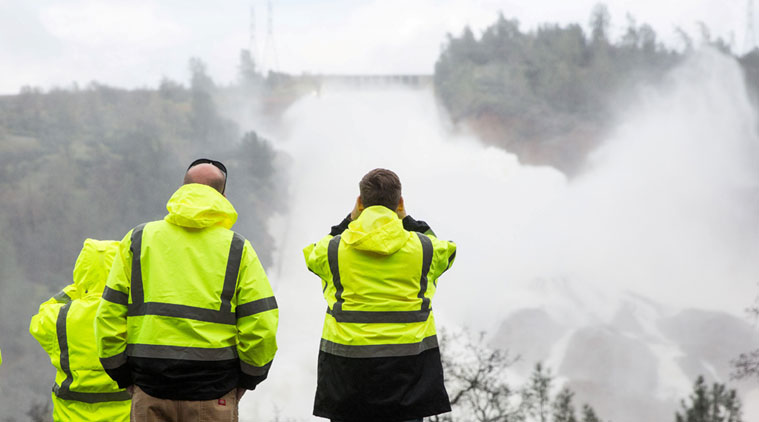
{"x": 668, "y": 210}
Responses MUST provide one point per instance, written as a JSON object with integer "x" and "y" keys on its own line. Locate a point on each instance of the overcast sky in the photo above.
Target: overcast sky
{"x": 134, "y": 43}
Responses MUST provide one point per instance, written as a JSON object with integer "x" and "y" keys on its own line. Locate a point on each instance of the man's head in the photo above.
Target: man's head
{"x": 207, "y": 172}
{"x": 380, "y": 187}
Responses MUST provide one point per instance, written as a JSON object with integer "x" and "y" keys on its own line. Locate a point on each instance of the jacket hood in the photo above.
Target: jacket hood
{"x": 93, "y": 264}
{"x": 378, "y": 229}
{"x": 200, "y": 206}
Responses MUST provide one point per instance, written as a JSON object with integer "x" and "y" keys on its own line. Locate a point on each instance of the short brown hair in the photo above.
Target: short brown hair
{"x": 380, "y": 187}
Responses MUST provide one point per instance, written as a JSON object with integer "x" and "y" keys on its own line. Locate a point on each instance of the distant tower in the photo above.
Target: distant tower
{"x": 750, "y": 42}
{"x": 270, "y": 61}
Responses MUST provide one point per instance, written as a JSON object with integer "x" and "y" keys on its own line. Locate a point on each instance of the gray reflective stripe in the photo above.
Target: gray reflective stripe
{"x": 63, "y": 391}
{"x": 91, "y": 397}
{"x": 138, "y": 295}
{"x": 450, "y": 262}
{"x": 223, "y": 315}
{"x": 181, "y": 311}
{"x": 63, "y": 345}
{"x": 256, "y": 306}
{"x": 114, "y": 362}
{"x": 181, "y": 352}
{"x": 375, "y": 317}
{"x": 450, "y": 259}
{"x": 62, "y": 297}
{"x": 254, "y": 371}
{"x": 369, "y": 317}
{"x": 378, "y": 350}
{"x": 230, "y": 275}
{"x": 115, "y": 296}
{"x": 426, "y": 262}
{"x": 332, "y": 252}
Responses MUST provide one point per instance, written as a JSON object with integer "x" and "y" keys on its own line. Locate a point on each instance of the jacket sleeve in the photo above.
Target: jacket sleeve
{"x": 257, "y": 319}
{"x": 111, "y": 318}
{"x": 340, "y": 228}
{"x": 444, "y": 253}
{"x": 317, "y": 259}
{"x": 43, "y": 325}
{"x": 420, "y": 226}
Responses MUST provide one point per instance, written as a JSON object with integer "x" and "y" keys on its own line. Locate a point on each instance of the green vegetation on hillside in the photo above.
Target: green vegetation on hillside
{"x": 551, "y": 93}
{"x": 95, "y": 162}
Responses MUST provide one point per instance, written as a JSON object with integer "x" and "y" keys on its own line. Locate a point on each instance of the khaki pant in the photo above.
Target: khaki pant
{"x": 146, "y": 408}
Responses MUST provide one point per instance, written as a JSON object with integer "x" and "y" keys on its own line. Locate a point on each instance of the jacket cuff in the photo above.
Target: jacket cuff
{"x": 122, "y": 375}
{"x": 249, "y": 382}
{"x": 340, "y": 228}
{"x": 420, "y": 226}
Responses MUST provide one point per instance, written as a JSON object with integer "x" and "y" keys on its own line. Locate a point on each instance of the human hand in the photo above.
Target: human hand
{"x": 357, "y": 208}
{"x": 401, "y": 210}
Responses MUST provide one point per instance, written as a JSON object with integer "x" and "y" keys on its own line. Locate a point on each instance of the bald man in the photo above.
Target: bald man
{"x": 188, "y": 319}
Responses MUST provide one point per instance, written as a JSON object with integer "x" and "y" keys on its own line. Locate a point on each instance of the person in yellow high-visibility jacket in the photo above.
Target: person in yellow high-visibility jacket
{"x": 379, "y": 359}
{"x": 188, "y": 318}
{"x": 64, "y": 328}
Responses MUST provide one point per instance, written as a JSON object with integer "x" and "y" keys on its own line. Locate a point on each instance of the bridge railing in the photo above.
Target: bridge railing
{"x": 408, "y": 80}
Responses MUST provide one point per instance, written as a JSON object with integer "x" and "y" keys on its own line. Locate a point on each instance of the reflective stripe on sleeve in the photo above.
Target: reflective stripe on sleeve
{"x": 115, "y": 296}
{"x": 114, "y": 362}
{"x": 256, "y": 307}
{"x": 450, "y": 262}
{"x": 62, "y": 297}
{"x": 254, "y": 371}
{"x": 378, "y": 350}
{"x": 181, "y": 352}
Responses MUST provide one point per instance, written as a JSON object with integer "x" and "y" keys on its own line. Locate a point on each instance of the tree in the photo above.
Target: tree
{"x": 600, "y": 20}
{"x": 588, "y": 414}
{"x": 476, "y": 382}
{"x": 747, "y": 364}
{"x": 537, "y": 393}
{"x": 715, "y": 405}
{"x": 563, "y": 409}
{"x": 475, "y": 377}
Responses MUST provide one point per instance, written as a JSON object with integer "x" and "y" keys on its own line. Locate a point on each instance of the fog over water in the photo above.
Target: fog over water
{"x": 668, "y": 208}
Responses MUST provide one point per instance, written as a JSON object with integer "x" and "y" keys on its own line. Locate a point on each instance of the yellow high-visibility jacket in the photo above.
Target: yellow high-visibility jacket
{"x": 188, "y": 312}
{"x": 378, "y": 280}
{"x": 379, "y": 358}
{"x": 64, "y": 328}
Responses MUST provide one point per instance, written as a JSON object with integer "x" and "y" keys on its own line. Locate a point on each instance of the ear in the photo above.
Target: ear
{"x": 359, "y": 204}
{"x": 400, "y": 205}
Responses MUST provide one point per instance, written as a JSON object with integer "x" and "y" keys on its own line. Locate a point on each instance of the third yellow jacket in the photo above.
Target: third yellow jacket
{"x": 64, "y": 328}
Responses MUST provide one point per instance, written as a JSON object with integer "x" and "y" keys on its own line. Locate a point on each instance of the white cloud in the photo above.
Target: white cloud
{"x": 112, "y": 24}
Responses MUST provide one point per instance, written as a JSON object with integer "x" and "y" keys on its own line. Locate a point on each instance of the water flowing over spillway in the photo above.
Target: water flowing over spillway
{"x": 668, "y": 209}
